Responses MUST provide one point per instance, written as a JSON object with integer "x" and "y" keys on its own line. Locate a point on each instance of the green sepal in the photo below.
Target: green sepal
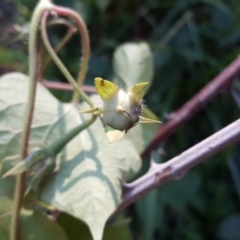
{"x": 147, "y": 120}
{"x": 92, "y": 110}
{"x": 34, "y": 157}
{"x": 43, "y": 169}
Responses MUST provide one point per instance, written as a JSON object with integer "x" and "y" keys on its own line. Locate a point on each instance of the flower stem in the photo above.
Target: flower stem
{"x": 57, "y": 146}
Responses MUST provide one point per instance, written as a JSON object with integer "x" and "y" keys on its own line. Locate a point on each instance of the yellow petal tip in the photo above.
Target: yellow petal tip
{"x": 138, "y": 90}
{"x": 147, "y": 120}
{"x": 105, "y": 88}
{"x": 92, "y": 110}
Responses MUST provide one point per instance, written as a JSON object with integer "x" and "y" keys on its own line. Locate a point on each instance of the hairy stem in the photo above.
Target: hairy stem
{"x": 177, "y": 167}
{"x": 85, "y": 44}
{"x": 66, "y": 86}
{"x": 58, "y": 62}
{"x": 33, "y": 74}
{"x": 71, "y": 30}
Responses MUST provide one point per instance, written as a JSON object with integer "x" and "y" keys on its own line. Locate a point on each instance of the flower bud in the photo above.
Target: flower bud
{"x": 119, "y": 109}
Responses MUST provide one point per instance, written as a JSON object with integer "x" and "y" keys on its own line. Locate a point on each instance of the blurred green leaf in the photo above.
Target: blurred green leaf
{"x": 229, "y": 229}
{"x": 12, "y": 59}
{"x": 234, "y": 167}
{"x": 150, "y": 214}
{"x": 179, "y": 194}
{"x": 217, "y": 3}
{"x": 98, "y": 67}
{"x": 102, "y": 4}
{"x": 5, "y": 217}
{"x": 133, "y": 64}
{"x": 82, "y": 8}
{"x": 191, "y": 55}
{"x": 34, "y": 225}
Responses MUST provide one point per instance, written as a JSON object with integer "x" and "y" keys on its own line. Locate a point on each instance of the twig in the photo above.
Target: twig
{"x": 66, "y": 86}
{"x": 177, "y": 167}
{"x": 189, "y": 109}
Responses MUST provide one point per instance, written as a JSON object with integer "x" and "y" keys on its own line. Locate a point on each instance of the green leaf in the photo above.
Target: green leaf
{"x": 117, "y": 232}
{"x": 150, "y": 213}
{"x": 87, "y": 184}
{"x": 5, "y": 217}
{"x": 234, "y": 168}
{"x": 218, "y": 4}
{"x": 133, "y": 64}
{"x": 178, "y": 194}
{"x": 76, "y": 229}
{"x": 34, "y": 225}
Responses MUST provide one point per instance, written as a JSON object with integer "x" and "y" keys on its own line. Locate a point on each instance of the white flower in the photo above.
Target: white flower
{"x": 119, "y": 109}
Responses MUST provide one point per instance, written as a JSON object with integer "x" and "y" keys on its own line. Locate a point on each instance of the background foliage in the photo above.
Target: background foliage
{"x": 191, "y": 41}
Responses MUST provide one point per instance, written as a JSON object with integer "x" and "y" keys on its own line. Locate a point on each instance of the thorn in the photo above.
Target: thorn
{"x": 21, "y": 166}
{"x": 125, "y": 186}
{"x": 153, "y": 163}
{"x": 161, "y": 151}
{"x": 169, "y": 116}
{"x": 54, "y": 14}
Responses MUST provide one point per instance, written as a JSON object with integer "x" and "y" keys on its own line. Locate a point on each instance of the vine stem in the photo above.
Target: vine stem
{"x": 62, "y": 11}
{"x": 178, "y": 166}
{"x": 71, "y": 30}
{"x": 33, "y": 74}
{"x": 58, "y": 62}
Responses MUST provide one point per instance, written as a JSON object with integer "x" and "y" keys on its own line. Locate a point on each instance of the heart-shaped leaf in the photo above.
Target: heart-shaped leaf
{"x": 87, "y": 184}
